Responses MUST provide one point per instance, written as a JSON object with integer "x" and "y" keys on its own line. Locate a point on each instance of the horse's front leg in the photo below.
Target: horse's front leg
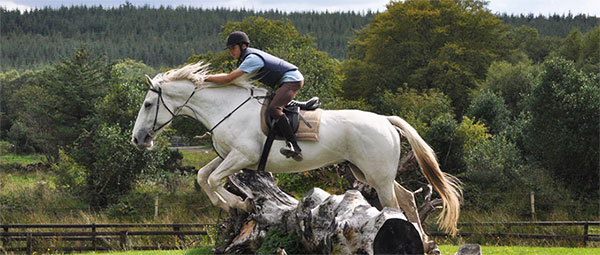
{"x": 233, "y": 163}
{"x": 203, "y": 175}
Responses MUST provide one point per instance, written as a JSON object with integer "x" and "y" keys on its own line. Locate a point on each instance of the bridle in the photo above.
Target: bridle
{"x": 173, "y": 113}
{"x": 178, "y": 109}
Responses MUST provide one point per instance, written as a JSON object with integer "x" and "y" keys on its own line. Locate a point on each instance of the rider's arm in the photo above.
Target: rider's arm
{"x": 225, "y": 78}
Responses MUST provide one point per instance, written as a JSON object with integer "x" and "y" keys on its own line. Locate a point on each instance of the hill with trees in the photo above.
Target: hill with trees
{"x": 167, "y": 36}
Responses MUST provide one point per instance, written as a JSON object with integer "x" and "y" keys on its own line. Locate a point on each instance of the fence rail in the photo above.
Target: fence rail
{"x": 94, "y": 237}
{"x": 584, "y": 238}
{"x": 19, "y": 234}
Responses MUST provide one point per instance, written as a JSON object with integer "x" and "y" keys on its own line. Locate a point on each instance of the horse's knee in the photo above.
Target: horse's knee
{"x": 201, "y": 178}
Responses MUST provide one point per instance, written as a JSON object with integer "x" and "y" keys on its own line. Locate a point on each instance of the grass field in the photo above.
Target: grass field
{"x": 11, "y": 158}
{"x": 446, "y": 250}
{"x": 517, "y": 250}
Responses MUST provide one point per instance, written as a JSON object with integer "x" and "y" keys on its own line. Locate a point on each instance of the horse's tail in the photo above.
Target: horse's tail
{"x": 445, "y": 184}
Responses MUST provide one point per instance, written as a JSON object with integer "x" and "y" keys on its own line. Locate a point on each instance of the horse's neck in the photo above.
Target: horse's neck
{"x": 212, "y": 104}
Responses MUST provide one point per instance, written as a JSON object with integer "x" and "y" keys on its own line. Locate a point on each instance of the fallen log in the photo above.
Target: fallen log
{"x": 324, "y": 223}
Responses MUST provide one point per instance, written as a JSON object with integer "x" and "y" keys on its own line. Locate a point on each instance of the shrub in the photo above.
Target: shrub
{"x": 278, "y": 238}
{"x": 490, "y": 109}
{"x": 492, "y": 169}
{"x": 69, "y": 175}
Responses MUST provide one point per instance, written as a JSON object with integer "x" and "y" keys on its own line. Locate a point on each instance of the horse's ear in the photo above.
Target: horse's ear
{"x": 149, "y": 81}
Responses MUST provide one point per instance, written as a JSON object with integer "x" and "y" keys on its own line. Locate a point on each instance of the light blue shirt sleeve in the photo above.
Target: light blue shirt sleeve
{"x": 251, "y": 64}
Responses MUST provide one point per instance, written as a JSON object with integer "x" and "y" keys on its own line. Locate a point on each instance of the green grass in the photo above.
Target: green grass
{"x": 197, "y": 158}
{"x": 446, "y": 250}
{"x": 194, "y": 251}
{"x": 11, "y": 158}
{"x": 517, "y": 250}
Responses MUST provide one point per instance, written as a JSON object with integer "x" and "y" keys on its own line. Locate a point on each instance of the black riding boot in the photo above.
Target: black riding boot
{"x": 291, "y": 149}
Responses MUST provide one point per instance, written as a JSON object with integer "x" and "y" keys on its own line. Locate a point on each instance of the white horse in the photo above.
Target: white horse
{"x": 370, "y": 142}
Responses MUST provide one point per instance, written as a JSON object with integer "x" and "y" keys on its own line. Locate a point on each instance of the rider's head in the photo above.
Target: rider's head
{"x": 236, "y": 42}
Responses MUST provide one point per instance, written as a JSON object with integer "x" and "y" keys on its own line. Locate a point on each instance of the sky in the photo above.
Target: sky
{"x": 544, "y": 7}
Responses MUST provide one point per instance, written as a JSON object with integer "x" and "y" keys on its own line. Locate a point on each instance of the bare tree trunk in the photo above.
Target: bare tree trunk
{"x": 325, "y": 223}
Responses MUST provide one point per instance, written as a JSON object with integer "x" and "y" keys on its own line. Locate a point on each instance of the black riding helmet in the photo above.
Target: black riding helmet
{"x": 237, "y": 37}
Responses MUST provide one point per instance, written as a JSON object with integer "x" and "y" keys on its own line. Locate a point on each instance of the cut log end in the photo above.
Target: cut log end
{"x": 397, "y": 236}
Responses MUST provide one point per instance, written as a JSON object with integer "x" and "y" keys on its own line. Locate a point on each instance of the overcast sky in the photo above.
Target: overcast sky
{"x": 545, "y": 7}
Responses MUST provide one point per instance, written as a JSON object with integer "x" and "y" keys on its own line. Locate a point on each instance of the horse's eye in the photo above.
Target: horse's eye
{"x": 147, "y": 105}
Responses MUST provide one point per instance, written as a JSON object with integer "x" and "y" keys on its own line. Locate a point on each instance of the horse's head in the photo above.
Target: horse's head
{"x": 164, "y": 100}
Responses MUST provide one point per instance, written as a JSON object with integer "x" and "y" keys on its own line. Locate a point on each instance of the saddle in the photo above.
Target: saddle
{"x": 296, "y": 111}
{"x": 304, "y": 119}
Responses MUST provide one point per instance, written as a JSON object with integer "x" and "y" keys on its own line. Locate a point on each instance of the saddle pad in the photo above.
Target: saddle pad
{"x": 304, "y": 133}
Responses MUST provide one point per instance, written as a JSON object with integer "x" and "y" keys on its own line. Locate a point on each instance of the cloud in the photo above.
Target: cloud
{"x": 9, "y": 5}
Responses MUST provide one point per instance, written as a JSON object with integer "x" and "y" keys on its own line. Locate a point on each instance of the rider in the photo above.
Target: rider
{"x": 271, "y": 71}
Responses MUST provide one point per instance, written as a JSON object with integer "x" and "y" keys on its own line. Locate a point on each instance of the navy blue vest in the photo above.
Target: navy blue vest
{"x": 272, "y": 72}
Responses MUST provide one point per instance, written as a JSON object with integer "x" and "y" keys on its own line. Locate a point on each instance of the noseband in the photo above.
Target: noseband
{"x": 173, "y": 113}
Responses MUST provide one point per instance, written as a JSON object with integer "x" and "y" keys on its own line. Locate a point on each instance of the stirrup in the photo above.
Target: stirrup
{"x": 311, "y": 104}
{"x": 289, "y": 152}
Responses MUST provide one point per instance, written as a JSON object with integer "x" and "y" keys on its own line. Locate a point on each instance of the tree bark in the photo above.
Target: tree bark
{"x": 325, "y": 223}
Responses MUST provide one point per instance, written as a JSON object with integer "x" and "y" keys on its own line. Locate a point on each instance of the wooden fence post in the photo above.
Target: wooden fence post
{"x": 123, "y": 239}
{"x": 177, "y": 236}
{"x": 532, "y": 197}
{"x": 94, "y": 236}
{"x": 156, "y": 207}
{"x": 5, "y": 239}
{"x": 29, "y": 243}
{"x": 585, "y": 234}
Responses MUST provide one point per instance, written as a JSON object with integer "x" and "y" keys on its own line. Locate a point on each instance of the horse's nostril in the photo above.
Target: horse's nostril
{"x": 134, "y": 140}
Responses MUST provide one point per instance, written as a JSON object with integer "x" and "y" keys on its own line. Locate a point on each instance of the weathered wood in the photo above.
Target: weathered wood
{"x": 325, "y": 223}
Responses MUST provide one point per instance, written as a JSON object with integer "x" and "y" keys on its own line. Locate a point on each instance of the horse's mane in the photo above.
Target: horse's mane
{"x": 196, "y": 73}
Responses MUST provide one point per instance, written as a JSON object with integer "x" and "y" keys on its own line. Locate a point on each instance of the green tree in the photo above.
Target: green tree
{"x": 571, "y": 47}
{"x": 510, "y": 81}
{"x": 445, "y": 44}
{"x": 562, "y": 132}
{"x": 591, "y": 51}
{"x": 493, "y": 170}
{"x": 490, "y": 109}
{"x": 420, "y": 109}
{"x": 112, "y": 164}
{"x": 57, "y": 110}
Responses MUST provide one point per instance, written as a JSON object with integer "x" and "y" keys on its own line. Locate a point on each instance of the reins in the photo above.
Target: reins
{"x": 252, "y": 96}
{"x": 178, "y": 109}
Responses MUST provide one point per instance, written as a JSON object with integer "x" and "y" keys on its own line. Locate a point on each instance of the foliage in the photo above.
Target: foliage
{"x": 160, "y": 37}
{"x": 418, "y": 108}
{"x": 552, "y": 25}
{"x": 114, "y": 165}
{"x": 10, "y": 83}
{"x": 446, "y": 45}
{"x": 527, "y": 40}
{"x": 582, "y": 49}
{"x": 19, "y": 135}
{"x": 562, "y": 132}
{"x": 55, "y": 112}
{"x": 443, "y": 137}
{"x": 510, "y": 81}
{"x": 279, "y": 238}
{"x": 69, "y": 175}
{"x": 490, "y": 109}
{"x": 471, "y": 133}
{"x": 492, "y": 169}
